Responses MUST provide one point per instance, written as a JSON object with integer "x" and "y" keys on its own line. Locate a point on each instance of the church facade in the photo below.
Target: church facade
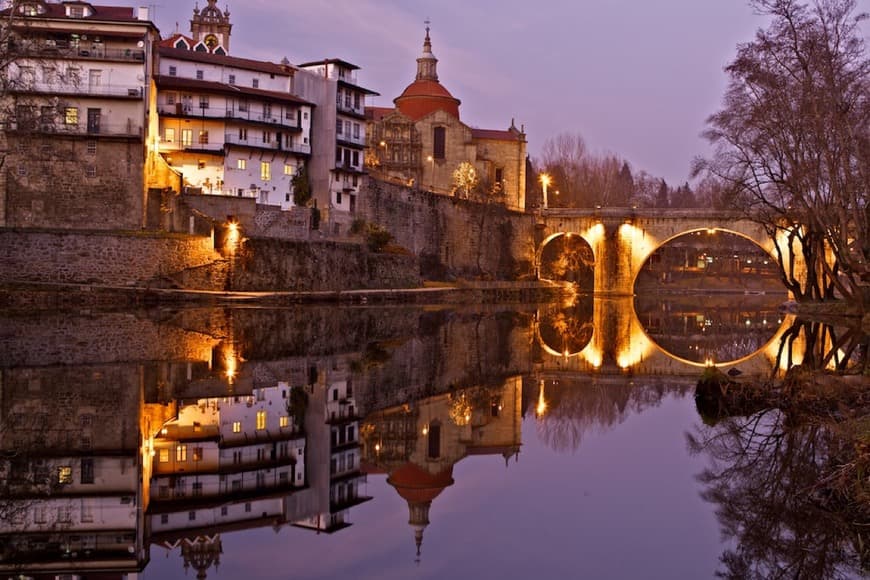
{"x": 422, "y": 141}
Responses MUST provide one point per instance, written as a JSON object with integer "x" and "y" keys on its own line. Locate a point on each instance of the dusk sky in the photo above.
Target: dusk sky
{"x": 635, "y": 78}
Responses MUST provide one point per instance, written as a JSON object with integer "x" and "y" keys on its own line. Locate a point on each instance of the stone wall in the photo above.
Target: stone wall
{"x": 74, "y": 183}
{"x": 98, "y": 257}
{"x": 288, "y": 265}
{"x": 453, "y": 237}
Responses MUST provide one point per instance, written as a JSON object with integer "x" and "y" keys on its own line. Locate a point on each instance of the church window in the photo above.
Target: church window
{"x": 439, "y": 138}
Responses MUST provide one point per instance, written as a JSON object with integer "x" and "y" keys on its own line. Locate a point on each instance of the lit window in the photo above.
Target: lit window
{"x": 164, "y": 455}
{"x": 261, "y": 419}
{"x": 71, "y": 116}
{"x": 265, "y": 170}
{"x": 186, "y": 137}
{"x": 169, "y": 135}
{"x": 284, "y": 421}
{"x": 237, "y": 426}
{"x": 289, "y": 169}
{"x": 64, "y": 474}
{"x": 242, "y": 164}
{"x": 197, "y": 454}
{"x": 203, "y": 137}
{"x": 181, "y": 453}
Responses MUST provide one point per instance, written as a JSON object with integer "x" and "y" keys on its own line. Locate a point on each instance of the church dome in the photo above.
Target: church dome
{"x": 426, "y": 95}
{"x": 416, "y": 485}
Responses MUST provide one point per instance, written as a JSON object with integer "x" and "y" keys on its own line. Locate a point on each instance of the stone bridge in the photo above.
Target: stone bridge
{"x": 622, "y": 239}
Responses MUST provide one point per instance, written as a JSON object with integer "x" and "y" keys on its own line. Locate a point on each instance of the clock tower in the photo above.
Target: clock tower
{"x": 211, "y": 27}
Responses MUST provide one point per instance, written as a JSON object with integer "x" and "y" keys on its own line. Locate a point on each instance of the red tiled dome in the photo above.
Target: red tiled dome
{"x": 417, "y": 485}
{"x": 426, "y": 96}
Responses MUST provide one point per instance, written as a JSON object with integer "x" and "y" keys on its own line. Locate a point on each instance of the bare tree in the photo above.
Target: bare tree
{"x": 793, "y": 138}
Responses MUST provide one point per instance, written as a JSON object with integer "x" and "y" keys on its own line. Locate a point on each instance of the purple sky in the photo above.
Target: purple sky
{"x": 635, "y": 78}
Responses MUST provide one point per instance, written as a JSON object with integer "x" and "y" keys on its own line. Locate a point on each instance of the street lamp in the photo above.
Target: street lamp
{"x": 545, "y": 180}
{"x": 431, "y": 161}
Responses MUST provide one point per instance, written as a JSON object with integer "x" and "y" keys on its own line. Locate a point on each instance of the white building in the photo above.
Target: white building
{"x": 338, "y": 158}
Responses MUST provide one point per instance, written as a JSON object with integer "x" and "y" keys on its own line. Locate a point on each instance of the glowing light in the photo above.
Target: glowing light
{"x": 234, "y": 236}
{"x": 708, "y": 362}
{"x": 593, "y": 356}
{"x": 377, "y": 446}
{"x": 425, "y": 429}
{"x": 541, "y": 407}
{"x": 711, "y": 231}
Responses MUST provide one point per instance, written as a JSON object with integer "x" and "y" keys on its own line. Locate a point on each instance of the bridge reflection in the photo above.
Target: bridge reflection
{"x": 659, "y": 337}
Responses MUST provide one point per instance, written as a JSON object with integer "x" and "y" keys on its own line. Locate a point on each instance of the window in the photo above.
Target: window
{"x": 197, "y": 488}
{"x": 164, "y": 518}
{"x": 265, "y": 175}
{"x": 248, "y": 507}
{"x": 290, "y": 114}
{"x": 267, "y": 137}
{"x": 232, "y": 79}
{"x": 173, "y": 71}
{"x": 181, "y": 453}
{"x": 337, "y": 198}
{"x": 261, "y": 419}
{"x": 224, "y": 510}
{"x": 164, "y": 455}
{"x": 241, "y": 164}
{"x": 355, "y": 156}
{"x": 243, "y": 105}
{"x": 256, "y": 83}
{"x": 91, "y": 147}
{"x": 191, "y": 515}
{"x": 499, "y": 175}
{"x": 284, "y": 421}
{"x": 356, "y": 130}
{"x": 64, "y": 514}
{"x": 197, "y": 456}
{"x": 434, "y": 440}
{"x": 305, "y": 115}
{"x": 237, "y": 425}
{"x": 186, "y": 137}
{"x": 87, "y": 474}
{"x": 356, "y": 100}
{"x": 169, "y": 135}
{"x": 22, "y": 170}
{"x": 338, "y": 97}
{"x": 243, "y": 134}
{"x": 90, "y": 171}
{"x": 199, "y": 75}
{"x": 338, "y": 154}
{"x": 347, "y": 98}
{"x": 338, "y": 126}
{"x": 289, "y": 169}
{"x": 75, "y": 11}
{"x": 439, "y": 138}
{"x": 267, "y": 110}
{"x": 203, "y": 101}
{"x": 203, "y": 137}
{"x": 64, "y": 474}
{"x": 347, "y": 128}
{"x": 71, "y": 115}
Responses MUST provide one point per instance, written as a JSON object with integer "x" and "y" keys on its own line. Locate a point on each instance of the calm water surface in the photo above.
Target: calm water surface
{"x": 550, "y": 441}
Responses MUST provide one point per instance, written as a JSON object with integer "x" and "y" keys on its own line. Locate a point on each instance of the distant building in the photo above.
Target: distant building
{"x": 422, "y": 141}
{"x": 229, "y": 126}
{"x": 338, "y": 158}
{"x": 75, "y": 115}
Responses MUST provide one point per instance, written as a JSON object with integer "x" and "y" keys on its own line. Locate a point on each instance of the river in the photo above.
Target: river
{"x": 553, "y": 441}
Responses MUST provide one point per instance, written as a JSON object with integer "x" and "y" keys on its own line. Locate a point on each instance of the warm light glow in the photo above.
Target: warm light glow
{"x": 541, "y": 407}
{"x": 593, "y": 356}
{"x": 711, "y": 231}
{"x": 425, "y": 429}
{"x": 383, "y": 143}
{"x": 430, "y": 158}
{"x": 234, "y": 236}
{"x": 546, "y": 180}
{"x": 708, "y": 362}
{"x": 377, "y": 446}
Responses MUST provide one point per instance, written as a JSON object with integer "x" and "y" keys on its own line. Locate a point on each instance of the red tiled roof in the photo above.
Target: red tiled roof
{"x": 170, "y": 41}
{"x": 509, "y": 135}
{"x": 169, "y": 82}
{"x": 243, "y": 63}
{"x": 377, "y": 114}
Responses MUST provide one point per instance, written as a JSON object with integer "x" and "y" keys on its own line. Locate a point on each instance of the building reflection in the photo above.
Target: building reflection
{"x": 417, "y": 444}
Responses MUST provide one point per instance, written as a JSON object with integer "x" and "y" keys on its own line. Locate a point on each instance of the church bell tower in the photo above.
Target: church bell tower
{"x": 212, "y": 28}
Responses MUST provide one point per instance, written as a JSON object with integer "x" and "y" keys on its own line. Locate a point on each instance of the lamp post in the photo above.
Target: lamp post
{"x": 383, "y": 145}
{"x": 431, "y": 161}
{"x": 546, "y": 180}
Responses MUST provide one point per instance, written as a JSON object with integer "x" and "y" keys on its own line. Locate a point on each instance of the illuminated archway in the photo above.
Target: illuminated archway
{"x": 566, "y": 331}
{"x": 568, "y": 257}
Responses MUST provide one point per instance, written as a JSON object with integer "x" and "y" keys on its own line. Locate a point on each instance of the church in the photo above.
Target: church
{"x": 422, "y": 141}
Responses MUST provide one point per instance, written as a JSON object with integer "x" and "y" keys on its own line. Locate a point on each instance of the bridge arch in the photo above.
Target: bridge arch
{"x": 569, "y": 257}
{"x": 622, "y": 239}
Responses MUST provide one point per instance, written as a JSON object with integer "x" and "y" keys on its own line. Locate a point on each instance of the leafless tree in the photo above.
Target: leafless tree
{"x": 793, "y": 138}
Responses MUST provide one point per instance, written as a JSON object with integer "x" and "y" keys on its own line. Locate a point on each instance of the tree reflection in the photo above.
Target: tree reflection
{"x": 816, "y": 346}
{"x": 762, "y": 475}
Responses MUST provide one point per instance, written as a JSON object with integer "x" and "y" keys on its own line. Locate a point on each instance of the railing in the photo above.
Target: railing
{"x": 233, "y": 139}
{"x": 58, "y": 127}
{"x": 134, "y": 92}
{"x": 90, "y": 53}
{"x": 359, "y": 112}
{"x": 194, "y": 110}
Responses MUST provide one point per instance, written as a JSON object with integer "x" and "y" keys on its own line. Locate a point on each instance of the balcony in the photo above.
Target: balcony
{"x": 272, "y": 145}
{"x": 63, "y": 50}
{"x": 101, "y": 129}
{"x": 80, "y": 90}
{"x": 199, "y": 112}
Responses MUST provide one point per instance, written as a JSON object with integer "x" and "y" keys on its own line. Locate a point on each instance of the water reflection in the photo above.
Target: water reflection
{"x": 126, "y": 435}
{"x": 719, "y": 328}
